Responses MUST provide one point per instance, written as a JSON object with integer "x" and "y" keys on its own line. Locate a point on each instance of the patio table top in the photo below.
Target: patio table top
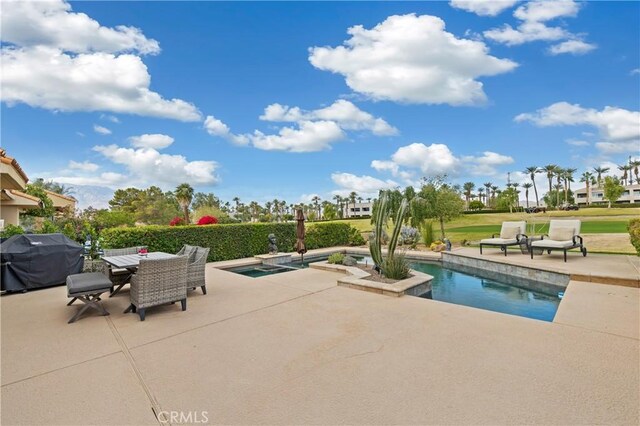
{"x": 129, "y": 261}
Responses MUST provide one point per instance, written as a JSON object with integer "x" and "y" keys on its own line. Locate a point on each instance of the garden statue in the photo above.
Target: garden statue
{"x": 273, "y": 248}
{"x": 447, "y": 244}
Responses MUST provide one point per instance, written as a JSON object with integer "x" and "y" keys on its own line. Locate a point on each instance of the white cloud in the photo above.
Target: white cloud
{"x": 619, "y": 128}
{"x": 63, "y": 61}
{"x": 85, "y": 166}
{"x": 314, "y": 130}
{"x": 486, "y": 165}
{"x": 483, "y": 7}
{"x": 412, "y": 59}
{"x": 635, "y": 71}
{"x": 533, "y": 16}
{"x": 383, "y": 166}
{"x": 82, "y": 135}
{"x": 308, "y": 198}
{"x": 344, "y": 113}
{"x": 111, "y": 118}
{"x": 577, "y": 142}
{"x": 148, "y": 166}
{"x": 308, "y": 137}
{"x": 363, "y": 185}
{"x": 51, "y": 23}
{"x": 155, "y": 141}
{"x": 47, "y": 78}
{"x": 574, "y": 47}
{"x": 109, "y": 179}
{"x": 101, "y": 130}
{"x": 434, "y": 159}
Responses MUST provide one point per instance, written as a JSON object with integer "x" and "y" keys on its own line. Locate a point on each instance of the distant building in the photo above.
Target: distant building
{"x": 357, "y": 209}
{"x": 631, "y": 194}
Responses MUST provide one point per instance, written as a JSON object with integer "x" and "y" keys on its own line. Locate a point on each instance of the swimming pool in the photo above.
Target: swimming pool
{"x": 462, "y": 286}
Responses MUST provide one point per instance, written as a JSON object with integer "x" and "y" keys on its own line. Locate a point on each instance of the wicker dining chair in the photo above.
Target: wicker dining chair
{"x": 158, "y": 281}
{"x": 195, "y": 269}
{"x": 118, "y": 277}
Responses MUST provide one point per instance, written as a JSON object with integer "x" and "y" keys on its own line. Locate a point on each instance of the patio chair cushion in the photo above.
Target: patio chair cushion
{"x": 499, "y": 241}
{"x": 552, "y": 244}
{"x": 561, "y": 234}
{"x": 82, "y": 283}
{"x": 509, "y": 232}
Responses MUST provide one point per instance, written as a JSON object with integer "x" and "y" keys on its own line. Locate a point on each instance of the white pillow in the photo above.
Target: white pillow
{"x": 509, "y": 232}
{"x": 561, "y": 234}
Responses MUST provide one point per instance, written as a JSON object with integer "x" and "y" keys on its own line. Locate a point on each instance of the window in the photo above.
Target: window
{"x": 366, "y": 209}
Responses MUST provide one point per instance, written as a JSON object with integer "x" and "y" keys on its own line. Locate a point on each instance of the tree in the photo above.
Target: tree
{"x": 123, "y": 199}
{"x": 599, "y": 172}
{"x": 636, "y": 169}
{"x": 532, "y": 171}
{"x": 46, "y": 205}
{"x": 200, "y": 199}
{"x": 437, "y": 200}
{"x": 507, "y": 199}
{"x": 550, "y": 170}
{"x": 476, "y": 205}
{"x": 587, "y": 178}
{"x": 58, "y": 188}
{"x": 488, "y": 185}
{"x": 329, "y": 211}
{"x": 316, "y": 202}
{"x": 568, "y": 178}
{"x": 468, "y": 188}
{"x": 352, "y": 197}
{"x": 184, "y": 196}
{"x": 526, "y": 187}
{"x": 612, "y": 189}
{"x": 481, "y": 195}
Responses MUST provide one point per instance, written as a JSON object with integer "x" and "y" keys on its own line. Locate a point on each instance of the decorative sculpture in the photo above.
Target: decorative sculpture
{"x": 273, "y": 248}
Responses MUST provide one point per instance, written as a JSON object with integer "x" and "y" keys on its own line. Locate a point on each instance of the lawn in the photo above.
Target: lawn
{"x": 597, "y": 224}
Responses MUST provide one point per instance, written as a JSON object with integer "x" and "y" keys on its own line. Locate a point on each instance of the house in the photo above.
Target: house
{"x": 13, "y": 199}
{"x": 357, "y": 209}
{"x": 631, "y": 194}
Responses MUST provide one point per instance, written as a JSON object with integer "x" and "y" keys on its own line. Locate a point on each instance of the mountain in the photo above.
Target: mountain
{"x": 91, "y": 196}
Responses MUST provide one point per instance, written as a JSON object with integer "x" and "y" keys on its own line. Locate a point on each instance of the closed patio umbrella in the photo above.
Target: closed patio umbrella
{"x": 300, "y": 247}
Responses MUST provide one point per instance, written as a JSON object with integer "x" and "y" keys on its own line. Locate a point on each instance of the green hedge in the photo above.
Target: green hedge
{"x": 634, "y": 234}
{"x": 233, "y": 241}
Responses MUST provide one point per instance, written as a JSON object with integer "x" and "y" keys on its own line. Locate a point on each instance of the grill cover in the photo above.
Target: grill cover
{"x": 32, "y": 261}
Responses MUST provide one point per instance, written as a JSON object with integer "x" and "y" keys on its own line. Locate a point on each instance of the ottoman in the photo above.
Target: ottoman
{"x": 87, "y": 288}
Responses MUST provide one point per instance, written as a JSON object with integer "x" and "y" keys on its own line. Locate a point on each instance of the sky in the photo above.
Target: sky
{"x": 289, "y": 100}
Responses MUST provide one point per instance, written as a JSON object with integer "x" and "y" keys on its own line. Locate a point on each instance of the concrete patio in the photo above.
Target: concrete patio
{"x": 294, "y": 348}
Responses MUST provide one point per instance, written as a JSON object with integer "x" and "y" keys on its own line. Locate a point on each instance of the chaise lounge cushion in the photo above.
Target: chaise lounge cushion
{"x": 81, "y": 283}
{"x": 552, "y": 244}
{"x": 499, "y": 241}
{"x": 509, "y": 232}
{"x": 561, "y": 234}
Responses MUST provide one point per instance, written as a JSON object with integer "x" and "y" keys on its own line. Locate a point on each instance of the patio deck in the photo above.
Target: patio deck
{"x": 294, "y": 348}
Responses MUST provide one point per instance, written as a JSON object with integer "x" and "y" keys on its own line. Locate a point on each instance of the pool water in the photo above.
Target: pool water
{"x": 461, "y": 286}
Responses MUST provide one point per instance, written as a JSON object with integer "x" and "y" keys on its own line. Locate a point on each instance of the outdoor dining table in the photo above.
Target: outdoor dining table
{"x": 130, "y": 262}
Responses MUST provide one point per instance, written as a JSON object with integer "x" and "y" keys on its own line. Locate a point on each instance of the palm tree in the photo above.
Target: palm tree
{"x": 626, "y": 171}
{"x": 481, "y": 194}
{"x": 599, "y": 172}
{"x": 550, "y": 170}
{"x": 316, "y": 202}
{"x": 636, "y": 169}
{"x": 468, "y": 187}
{"x": 515, "y": 186}
{"x": 587, "y": 178}
{"x": 488, "y": 192}
{"x": 352, "y": 197}
{"x": 526, "y": 187}
{"x": 237, "y": 201}
{"x": 532, "y": 170}
{"x": 184, "y": 196}
{"x": 559, "y": 180}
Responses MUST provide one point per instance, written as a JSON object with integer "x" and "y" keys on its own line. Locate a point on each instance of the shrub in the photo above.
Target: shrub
{"x": 409, "y": 236}
{"x": 634, "y": 234}
{"x": 207, "y": 220}
{"x": 176, "y": 221}
{"x": 476, "y": 205}
{"x": 355, "y": 237}
{"x": 395, "y": 267}
{"x": 69, "y": 231}
{"x": 226, "y": 242}
{"x": 437, "y": 246}
{"x": 11, "y": 230}
{"x": 48, "y": 227}
{"x": 427, "y": 233}
{"x": 336, "y": 258}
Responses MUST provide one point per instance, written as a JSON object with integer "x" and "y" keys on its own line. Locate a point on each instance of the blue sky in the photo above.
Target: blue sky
{"x": 361, "y": 95}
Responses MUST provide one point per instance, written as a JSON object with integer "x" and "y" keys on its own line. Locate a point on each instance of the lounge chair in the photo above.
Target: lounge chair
{"x": 158, "y": 281}
{"x": 563, "y": 235}
{"x": 195, "y": 269}
{"x": 511, "y": 234}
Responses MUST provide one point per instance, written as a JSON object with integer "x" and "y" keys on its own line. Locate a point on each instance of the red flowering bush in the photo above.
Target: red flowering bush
{"x": 207, "y": 220}
{"x": 176, "y": 221}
